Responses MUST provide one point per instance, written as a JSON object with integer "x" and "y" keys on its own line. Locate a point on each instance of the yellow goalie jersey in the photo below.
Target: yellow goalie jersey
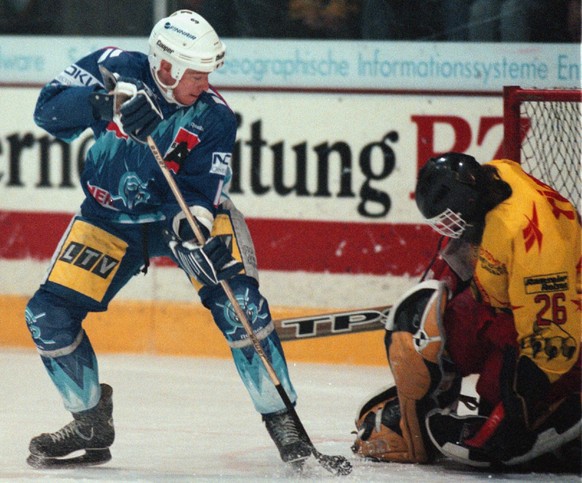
{"x": 529, "y": 262}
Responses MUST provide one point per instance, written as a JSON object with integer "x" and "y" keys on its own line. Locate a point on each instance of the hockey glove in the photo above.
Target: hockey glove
{"x": 139, "y": 115}
{"x": 107, "y": 102}
{"x": 129, "y": 103}
{"x": 208, "y": 264}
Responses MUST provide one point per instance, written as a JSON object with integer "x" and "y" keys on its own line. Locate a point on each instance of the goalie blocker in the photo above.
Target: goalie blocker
{"x": 391, "y": 425}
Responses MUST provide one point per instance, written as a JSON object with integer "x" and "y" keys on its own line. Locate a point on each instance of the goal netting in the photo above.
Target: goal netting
{"x": 543, "y": 131}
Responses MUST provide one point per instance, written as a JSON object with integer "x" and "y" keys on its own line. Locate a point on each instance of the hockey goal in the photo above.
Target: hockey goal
{"x": 543, "y": 132}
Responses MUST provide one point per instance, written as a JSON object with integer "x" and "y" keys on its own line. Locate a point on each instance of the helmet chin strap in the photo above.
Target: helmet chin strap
{"x": 167, "y": 90}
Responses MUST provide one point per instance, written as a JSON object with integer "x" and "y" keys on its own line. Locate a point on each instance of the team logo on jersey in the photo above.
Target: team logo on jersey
{"x": 132, "y": 190}
{"x": 220, "y": 163}
{"x": 76, "y": 76}
{"x": 489, "y": 263}
{"x": 560, "y": 205}
{"x": 183, "y": 143}
{"x": 101, "y": 196}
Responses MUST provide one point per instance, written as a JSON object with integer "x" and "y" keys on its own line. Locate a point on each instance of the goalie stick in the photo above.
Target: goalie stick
{"x": 333, "y": 323}
{"x": 334, "y": 464}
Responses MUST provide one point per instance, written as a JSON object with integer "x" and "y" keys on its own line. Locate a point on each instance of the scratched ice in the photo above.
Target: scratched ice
{"x": 188, "y": 419}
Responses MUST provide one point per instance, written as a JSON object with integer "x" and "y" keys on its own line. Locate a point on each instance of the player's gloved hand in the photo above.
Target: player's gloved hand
{"x": 107, "y": 101}
{"x": 129, "y": 103}
{"x": 208, "y": 264}
{"x": 139, "y": 115}
{"x": 507, "y": 433}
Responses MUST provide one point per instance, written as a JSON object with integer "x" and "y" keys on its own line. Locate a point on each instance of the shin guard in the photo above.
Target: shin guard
{"x": 248, "y": 363}
{"x": 65, "y": 351}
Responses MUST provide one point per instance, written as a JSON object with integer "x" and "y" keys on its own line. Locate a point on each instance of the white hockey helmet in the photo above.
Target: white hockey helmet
{"x": 187, "y": 41}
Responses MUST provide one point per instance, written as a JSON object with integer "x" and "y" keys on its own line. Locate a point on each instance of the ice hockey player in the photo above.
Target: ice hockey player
{"x": 129, "y": 215}
{"x": 502, "y": 301}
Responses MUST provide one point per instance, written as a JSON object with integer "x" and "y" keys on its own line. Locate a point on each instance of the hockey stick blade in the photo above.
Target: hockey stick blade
{"x": 91, "y": 457}
{"x": 338, "y": 465}
{"x": 333, "y": 323}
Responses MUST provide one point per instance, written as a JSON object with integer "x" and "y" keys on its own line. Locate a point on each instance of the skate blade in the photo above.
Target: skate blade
{"x": 91, "y": 457}
{"x": 298, "y": 464}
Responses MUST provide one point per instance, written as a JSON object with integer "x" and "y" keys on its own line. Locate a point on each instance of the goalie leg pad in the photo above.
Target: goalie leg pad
{"x": 391, "y": 424}
{"x": 415, "y": 336}
{"x": 554, "y": 430}
{"x": 379, "y": 436}
{"x": 413, "y": 382}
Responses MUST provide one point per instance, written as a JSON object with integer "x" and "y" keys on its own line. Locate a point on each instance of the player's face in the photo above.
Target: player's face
{"x": 191, "y": 85}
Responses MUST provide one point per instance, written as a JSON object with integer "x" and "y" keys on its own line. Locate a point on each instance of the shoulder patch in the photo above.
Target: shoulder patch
{"x": 76, "y": 76}
{"x": 220, "y": 163}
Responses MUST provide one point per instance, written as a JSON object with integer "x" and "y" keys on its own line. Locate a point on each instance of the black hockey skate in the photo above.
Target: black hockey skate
{"x": 90, "y": 431}
{"x": 283, "y": 431}
{"x": 448, "y": 432}
{"x": 554, "y": 430}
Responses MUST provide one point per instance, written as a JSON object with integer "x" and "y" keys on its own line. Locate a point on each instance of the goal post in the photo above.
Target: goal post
{"x": 543, "y": 132}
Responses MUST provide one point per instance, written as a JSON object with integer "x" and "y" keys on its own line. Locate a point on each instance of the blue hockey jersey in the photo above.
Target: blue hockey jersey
{"x": 120, "y": 178}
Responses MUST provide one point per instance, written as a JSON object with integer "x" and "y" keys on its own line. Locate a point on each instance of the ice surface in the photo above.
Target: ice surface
{"x": 188, "y": 419}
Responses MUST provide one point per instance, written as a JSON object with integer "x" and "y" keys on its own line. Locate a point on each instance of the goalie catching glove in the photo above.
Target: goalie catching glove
{"x": 209, "y": 264}
{"x": 129, "y": 103}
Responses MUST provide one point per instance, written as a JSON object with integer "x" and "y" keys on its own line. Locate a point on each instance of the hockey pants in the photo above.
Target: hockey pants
{"x": 94, "y": 260}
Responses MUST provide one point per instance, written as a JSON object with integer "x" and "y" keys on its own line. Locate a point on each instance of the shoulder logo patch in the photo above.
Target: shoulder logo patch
{"x": 220, "y": 163}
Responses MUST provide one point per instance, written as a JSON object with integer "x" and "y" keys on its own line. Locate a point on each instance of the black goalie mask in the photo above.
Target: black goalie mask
{"x": 448, "y": 193}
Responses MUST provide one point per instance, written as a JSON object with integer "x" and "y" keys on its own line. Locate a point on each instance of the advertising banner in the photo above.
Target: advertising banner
{"x": 326, "y": 182}
{"x": 323, "y": 64}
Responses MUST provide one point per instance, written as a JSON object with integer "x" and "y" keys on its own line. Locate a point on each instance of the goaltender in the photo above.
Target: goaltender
{"x": 503, "y": 302}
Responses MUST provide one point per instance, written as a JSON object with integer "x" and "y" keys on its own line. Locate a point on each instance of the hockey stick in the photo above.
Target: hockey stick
{"x": 334, "y": 464}
{"x": 338, "y": 323}
{"x": 333, "y": 323}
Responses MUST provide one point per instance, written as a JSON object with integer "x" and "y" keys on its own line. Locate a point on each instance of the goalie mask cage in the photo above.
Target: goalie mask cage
{"x": 542, "y": 131}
